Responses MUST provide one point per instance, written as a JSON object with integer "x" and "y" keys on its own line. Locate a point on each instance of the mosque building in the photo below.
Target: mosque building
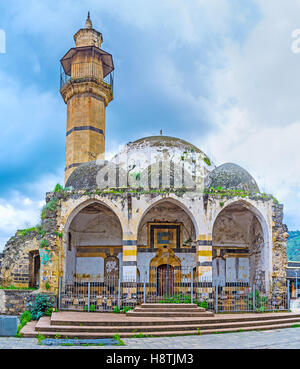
{"x": 159, "y": 206}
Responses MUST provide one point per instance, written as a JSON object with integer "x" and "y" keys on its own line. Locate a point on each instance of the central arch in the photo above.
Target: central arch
{"x": 166, "y": 235}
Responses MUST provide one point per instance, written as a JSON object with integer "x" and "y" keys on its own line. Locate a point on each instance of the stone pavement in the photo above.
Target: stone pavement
{"x": 288, "y": 338}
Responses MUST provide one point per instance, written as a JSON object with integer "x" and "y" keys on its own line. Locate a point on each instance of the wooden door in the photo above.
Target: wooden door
{"x": 165, "y": 280}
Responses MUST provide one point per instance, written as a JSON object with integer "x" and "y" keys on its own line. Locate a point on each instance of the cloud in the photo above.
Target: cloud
{"x": 257, "y": 100}
{"x": 21, "y": 209}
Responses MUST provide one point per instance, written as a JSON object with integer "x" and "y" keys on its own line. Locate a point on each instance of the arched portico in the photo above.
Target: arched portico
{"x": 240, "y": 245}
{"x": 93, "y": 235}
{"x": 167, "y": 234}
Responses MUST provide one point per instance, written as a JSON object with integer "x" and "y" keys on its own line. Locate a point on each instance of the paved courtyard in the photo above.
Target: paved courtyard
{"x": 288, "y": 338}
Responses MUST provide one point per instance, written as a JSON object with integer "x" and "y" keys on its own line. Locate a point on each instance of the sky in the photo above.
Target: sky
{"x": 221, "y": 74}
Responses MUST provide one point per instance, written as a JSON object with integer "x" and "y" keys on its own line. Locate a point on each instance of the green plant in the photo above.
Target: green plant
{"x": 49, "y": 311}
{"x": 91, "y": 308}
{"x": 44, "y": 243}
{"x": 50, "y": 206}
{"x": 47, "y": 286}
{"x": 12, "y": 287}
{"x": 40, "y": 338}
{"x": 118, "y": 338}
{"x": 116, "y": 310}
{"x": 203, "y": 304}
{"x": 207, "y": 161}
{"x": 125, "y": 309}
{"x": 40, "y": 304}
{"x": 59, "y": 234}
{"x": 25, "y": 232}
{"x": 24, "y": 319}
{"x": 40, "y": 230}
{"x": 58, "y": 188}
{"x": 259, "y": 301}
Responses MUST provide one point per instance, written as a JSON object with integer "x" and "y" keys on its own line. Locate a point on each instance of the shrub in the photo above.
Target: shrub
{"x": 126, "y": 308}
{"x": 44, "y": 243}
{"x": 24, "y": 319}
{"x": 40, "y": 304}
{"x": 203, "y": 304}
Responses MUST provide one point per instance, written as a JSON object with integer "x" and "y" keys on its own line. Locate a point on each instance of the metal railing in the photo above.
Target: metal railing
{"x": 167, "y": 286}
{"x": 91, "y": 70}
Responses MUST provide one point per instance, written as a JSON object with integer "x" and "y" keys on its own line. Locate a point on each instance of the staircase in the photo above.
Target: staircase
{"x": 169, "y": 310}
{"x": 158, "y": 321}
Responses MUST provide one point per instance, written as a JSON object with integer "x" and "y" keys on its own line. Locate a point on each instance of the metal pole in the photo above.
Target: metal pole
{"x": 119, "y": 293}
{"x": 296, "y": 284}
{"x": 288, "y": 294}
{"x": 191, "y": 285}
{"x": 89, "y": 295}
{"x": 59, "y": 292}
{"x": 253, "y": 297}
{"x": 217, "y": 297}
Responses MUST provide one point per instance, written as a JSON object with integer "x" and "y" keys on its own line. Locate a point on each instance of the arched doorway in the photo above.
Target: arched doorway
{"x": 34, "y": 269}
{"x": 165, "y": 280}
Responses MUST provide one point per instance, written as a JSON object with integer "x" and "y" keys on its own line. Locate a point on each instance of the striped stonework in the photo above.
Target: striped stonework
{"x": 204, "y": 256}
{"x": 129, "y": 260}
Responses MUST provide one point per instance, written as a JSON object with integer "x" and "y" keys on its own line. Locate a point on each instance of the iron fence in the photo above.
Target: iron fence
{"x": 172, "y": 285}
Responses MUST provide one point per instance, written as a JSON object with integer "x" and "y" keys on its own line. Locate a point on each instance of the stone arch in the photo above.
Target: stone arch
{"x": 165, "y": 258}
{"x": 172, "y": 200}
{"x": 81, "y": 205}
{"x": 86, "y": 219}
{"x": 241, "y": 224}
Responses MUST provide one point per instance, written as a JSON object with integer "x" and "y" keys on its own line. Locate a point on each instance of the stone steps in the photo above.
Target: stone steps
{"x": 158, "y": 306}
{"x": 70, "y": 334}
{"x": 151, "y": 313}
{"x": 99, "y": 325}
{"x": 168, "y": 310}
{"x": 95, "y": 319}
{"x": 45, "y": 325}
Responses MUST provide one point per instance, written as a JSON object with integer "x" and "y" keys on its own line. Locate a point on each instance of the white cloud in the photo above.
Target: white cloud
{"x": 19, "y": 211}
{"x": 257, "y": 96}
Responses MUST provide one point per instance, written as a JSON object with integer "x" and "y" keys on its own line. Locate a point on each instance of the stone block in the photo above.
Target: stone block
{"x": 8, "y": 325}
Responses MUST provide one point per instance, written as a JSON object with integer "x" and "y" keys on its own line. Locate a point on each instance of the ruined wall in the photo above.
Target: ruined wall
{"x": 13, "y": 302}
{"x": 256, "y": 256}
{"x": 279, "y": 258}
{"x": 15, "y": 268}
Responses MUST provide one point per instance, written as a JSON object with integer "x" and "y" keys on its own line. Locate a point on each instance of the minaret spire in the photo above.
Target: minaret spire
{"x": 88, "y": 22}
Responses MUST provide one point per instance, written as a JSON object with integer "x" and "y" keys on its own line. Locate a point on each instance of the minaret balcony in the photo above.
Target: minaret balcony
{"x": 86, "y": 71}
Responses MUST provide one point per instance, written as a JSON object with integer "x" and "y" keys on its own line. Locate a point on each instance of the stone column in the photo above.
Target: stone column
{"x": 129, "y": 260}
{"x": 204, "y": 256}
{"x": 129, "y": 282}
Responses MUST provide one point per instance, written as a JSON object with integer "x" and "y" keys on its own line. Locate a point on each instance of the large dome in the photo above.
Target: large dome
{"x": 137, "y": 158}
{"x": 231, "y": 176}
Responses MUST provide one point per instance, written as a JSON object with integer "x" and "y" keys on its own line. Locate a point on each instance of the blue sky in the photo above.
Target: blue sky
{"x": 218, "y": 73}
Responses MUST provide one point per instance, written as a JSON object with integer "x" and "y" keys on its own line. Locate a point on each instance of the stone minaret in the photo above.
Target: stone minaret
{"x": 87, "y": 88}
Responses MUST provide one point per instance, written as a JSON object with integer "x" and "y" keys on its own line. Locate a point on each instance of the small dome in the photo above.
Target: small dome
{"x": 85, "y": 176}
{"x": 231, "y": 176}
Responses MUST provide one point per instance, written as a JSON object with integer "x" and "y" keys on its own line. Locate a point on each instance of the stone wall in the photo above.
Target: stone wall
{"x": 15, "y": 267}
{"x": 12, "y": 302}
{"x": 280, "y": 262}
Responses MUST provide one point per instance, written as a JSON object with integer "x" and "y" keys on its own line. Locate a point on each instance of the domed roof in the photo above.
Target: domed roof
{"x": 136, "y": 157}
{"x": 231, "y": 176}
{"x": 84, "y": 176}
{"x": 163, "y": 141}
